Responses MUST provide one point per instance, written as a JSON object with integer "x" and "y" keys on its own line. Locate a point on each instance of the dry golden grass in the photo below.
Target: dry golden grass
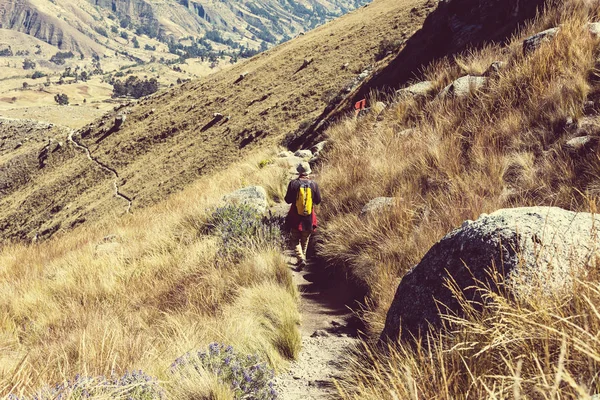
{"x": 90, "y": 304}
{"x": 500, "y": 147}
{"x": 531, "y": 349}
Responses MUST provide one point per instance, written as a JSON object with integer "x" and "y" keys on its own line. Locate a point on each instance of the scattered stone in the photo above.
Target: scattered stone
{"x": 494, "y": 68}
{"x": 581, "y": 144}
{"x": 317, "y": 148}
{"x": 571, "y": 124}
{"x": 320, "y": 333}
{"x": 119, "y": 120}
{"x": 285, "y": 154}
{"x": 463, "y": 86}
{"x": 421, "y": 89}
{"x": 253, "y": 196}
{"x": 594, "y": 28}
{"x": 554, "y": 247}
{"x": 379, "y": 107}
{"x": 534, "y": 42}
{"x": 377, "y": 205}
{"x": 290, "y": 162}
{"x": 109, "y": 238}
{"x": 306, "y": 62}
{"x": 217, "y": 115}
{"x": 303, "y": 154}
{"x": 345, "y": 66}
{"x": 19, "y": 144}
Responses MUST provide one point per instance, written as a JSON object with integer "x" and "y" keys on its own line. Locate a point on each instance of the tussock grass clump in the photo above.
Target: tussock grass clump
{"x": 533, "y": 347}
{"x": 137, "y": 294}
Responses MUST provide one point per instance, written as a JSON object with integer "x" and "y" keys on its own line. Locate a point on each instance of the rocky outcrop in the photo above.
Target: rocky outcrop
{"x": 537, "y": 251}
{"x": 533, "y": 42}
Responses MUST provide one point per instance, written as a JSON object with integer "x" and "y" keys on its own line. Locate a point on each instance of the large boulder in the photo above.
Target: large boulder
{"x": 536, "y": 251}
{"x": 253, "y": 196}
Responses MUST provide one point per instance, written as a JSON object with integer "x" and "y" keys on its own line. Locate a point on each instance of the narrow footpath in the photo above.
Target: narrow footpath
{"x": 104, "y": 167}
{"x": 326, "y": 335}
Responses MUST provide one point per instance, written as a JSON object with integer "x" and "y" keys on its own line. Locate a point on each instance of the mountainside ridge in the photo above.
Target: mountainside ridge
{"x": 171, "y": 138}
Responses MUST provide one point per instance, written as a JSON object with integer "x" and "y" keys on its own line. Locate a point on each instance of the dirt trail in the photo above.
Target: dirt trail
{"x": 104, "y": 167}
{"x": 326, "y": 335}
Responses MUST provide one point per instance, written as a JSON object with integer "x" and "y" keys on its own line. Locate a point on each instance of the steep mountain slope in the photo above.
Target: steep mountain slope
{"x": 453, "y": 27}
{"x": 170, "y": 139}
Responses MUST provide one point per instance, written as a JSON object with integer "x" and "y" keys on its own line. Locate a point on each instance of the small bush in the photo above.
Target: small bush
{"x": 102, "y": 31}
{"x": 246, "y": 375}
{"x": 60, "y": 57}
{"x": 28, "y": 64}
{"x": 37, "y": 74}
{"x": 264, "y": 163}
{"x": 241, "y": 228}
{"x": 62, "y": 99}
{"x": 135, "y": 385}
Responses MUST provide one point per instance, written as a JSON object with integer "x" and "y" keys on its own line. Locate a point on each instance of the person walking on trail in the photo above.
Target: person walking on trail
{"x": 303, "y": 194}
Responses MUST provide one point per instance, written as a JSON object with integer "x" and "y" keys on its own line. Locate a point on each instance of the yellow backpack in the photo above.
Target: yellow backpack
{"x": 304, "y": 199}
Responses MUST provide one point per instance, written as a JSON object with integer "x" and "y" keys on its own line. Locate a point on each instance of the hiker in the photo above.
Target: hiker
{"x": 303, "y": 194}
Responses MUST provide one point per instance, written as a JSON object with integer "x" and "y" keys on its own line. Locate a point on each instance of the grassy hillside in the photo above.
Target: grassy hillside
{"x": 143, "y": 292}
{"x": 447, "y": 160}
{"x": 168, "y": 140}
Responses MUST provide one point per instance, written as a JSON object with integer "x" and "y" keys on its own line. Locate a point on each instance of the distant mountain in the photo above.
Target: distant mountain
{"x": 92, "y": 26}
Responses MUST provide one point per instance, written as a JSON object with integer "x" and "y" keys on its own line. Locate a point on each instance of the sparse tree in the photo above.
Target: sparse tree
{"x": 62, "y": 99}
{"x": 28, "y": 64}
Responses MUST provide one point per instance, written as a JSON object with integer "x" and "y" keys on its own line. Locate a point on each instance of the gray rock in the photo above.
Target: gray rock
{"x": 254, "y": 196}
{"x": 581, "y": 144}
{"x": 554, "y": 246}
{"x": 463, "y": 86}
{"x": 290, "y": 161}
{"x": 303, "y": 154}
{"x": 421, "y": 89}
{"x": 594, "y": 28}
{"x": 320, "y": 333}
{"x": 376, "y": 205}
{"x": 532, "y": 43}
{"x": 317, "y": 148}
{"x": 494, "y": 68}
{"x": 285, "y": 154}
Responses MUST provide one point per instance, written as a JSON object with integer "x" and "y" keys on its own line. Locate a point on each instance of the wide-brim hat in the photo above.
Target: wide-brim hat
{"x": 303, "y": 168}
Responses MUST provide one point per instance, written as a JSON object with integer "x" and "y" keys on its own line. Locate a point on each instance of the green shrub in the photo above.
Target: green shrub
{"x": 241, "y": 229}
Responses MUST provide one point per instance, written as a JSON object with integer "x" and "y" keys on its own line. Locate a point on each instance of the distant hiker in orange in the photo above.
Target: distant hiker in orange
{"x": 303, "y": 194}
